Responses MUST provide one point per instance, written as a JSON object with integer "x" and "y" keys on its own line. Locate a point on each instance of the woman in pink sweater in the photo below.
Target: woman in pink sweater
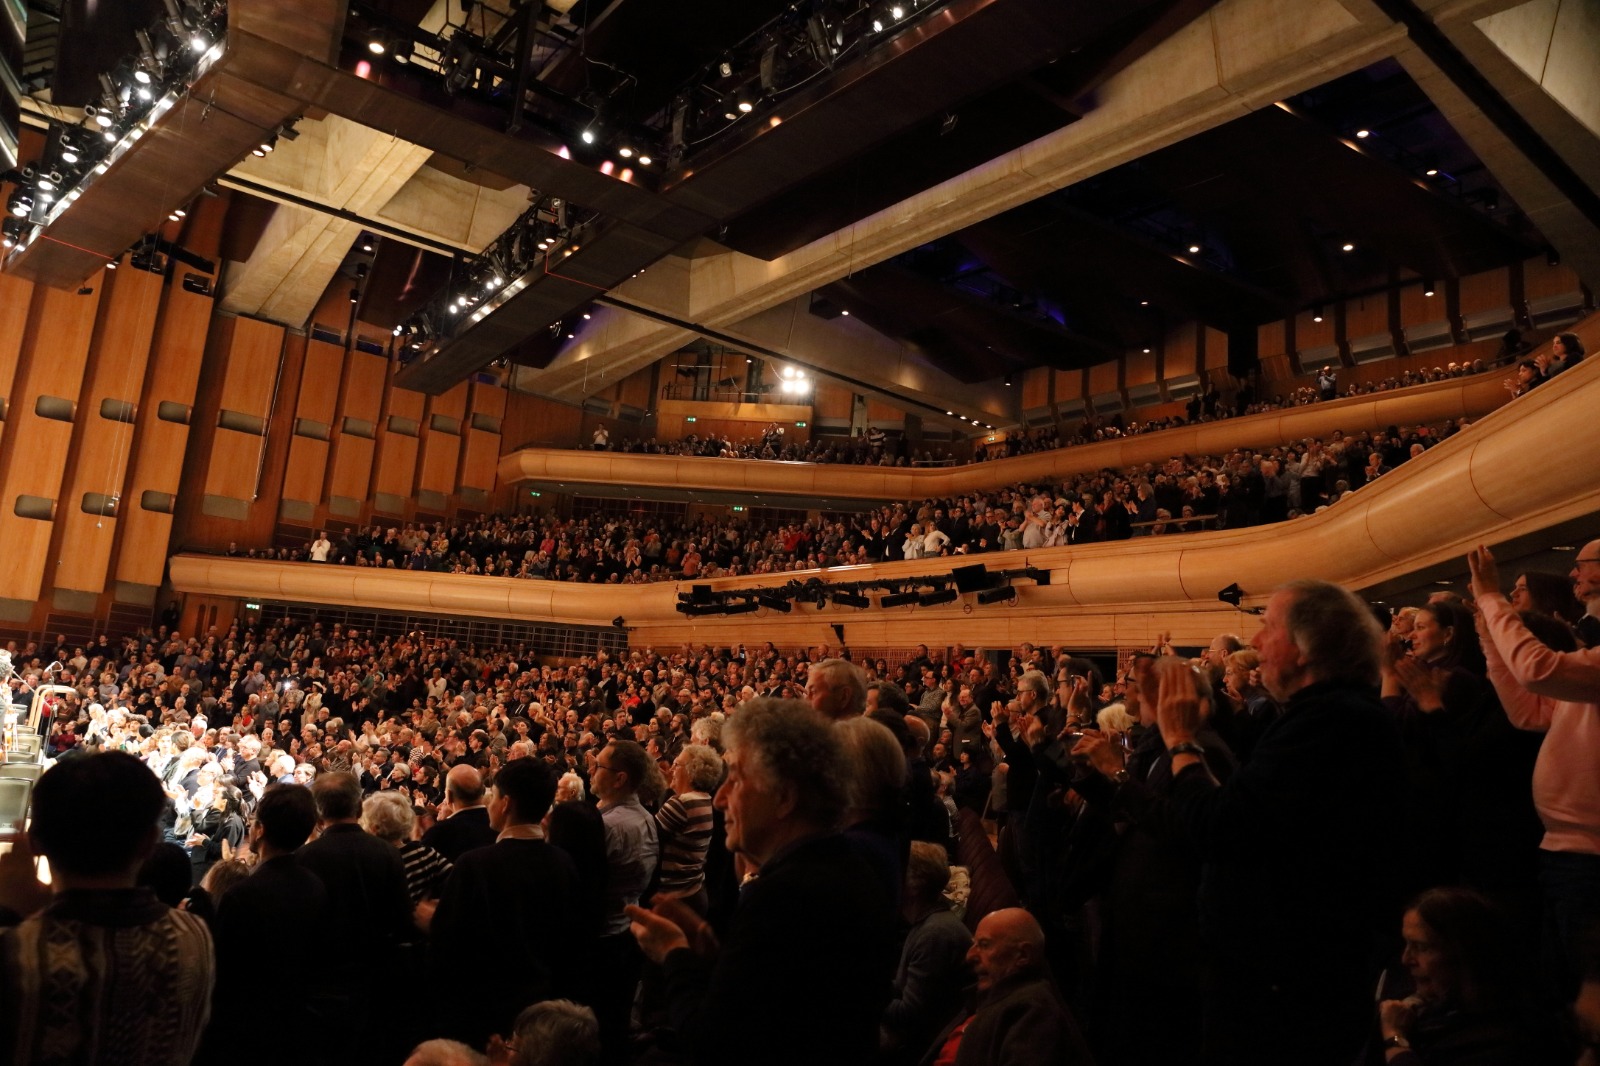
{"x": 1557, "y": 693}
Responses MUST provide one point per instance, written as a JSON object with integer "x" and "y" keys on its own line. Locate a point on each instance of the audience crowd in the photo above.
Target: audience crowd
{"x": 1244, "y": 487}
{"x": 301, "y": 839}
{"x": 734, "y": 855}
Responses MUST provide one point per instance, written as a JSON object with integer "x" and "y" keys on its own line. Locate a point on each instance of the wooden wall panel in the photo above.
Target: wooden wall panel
{"x": 883, "y": 414}
{"x": 832, "y": 401}
{"x": 1103, "y": 378}
{"x": 361, "y": 399}
{"x": 481, "y": 451}
{"x": 16, "y": 295}
{"x": 531, "y": 419}
{"x": 352, "y": 467}
{"x": 1541, "y": 279}
{"x": 1417, "y": 309}
{"x": 308, "y": 461}
{"x": 1486, "y": 291}
{"x": 1035, "y": 387}
{"x": 319, "y": 382}
{"x": 159, "y": 445}
{"x": 635, "y": 389}
{"x": 54, "y": 351}
{"x": 1139, "y": 368}
{"x": 101, "y": 446}
{"x": 1309, "y": 333}
{"x": 252, "y": 367}
{"x": 1272, "y": 338}
{"x": 441, "y": 450}
{"x": 1367, "y": 315}
{"x": 1069, "y": 385}
{"x": 396, "y": 473}
{"x": 233, "y": 463}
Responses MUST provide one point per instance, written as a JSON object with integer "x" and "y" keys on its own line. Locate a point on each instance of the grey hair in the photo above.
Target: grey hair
{"x": 387, "y": 816}
{"x": 703, "y": 765}
{"x": 795, "y": 748}
{"x": 1037, "y": 681}
{"x": 875, "y": 764}
{"x": 557, "y": 1032}
{"x": 708, "y": 730}
{"x": 927, "y": 872}
{"x": 1335, "y": 632}
{"x": 845, "y": 673}
{"x": 445, "y": 1053}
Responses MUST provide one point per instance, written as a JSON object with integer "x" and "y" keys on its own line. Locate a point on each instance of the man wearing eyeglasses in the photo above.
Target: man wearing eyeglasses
{"x": 1558, "y": 694}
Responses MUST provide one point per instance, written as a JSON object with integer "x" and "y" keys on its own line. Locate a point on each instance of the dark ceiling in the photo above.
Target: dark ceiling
{"x": 1269, "y": 200}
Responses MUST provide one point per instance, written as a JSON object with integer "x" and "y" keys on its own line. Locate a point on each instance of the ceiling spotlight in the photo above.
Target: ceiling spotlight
{"x": 845, "y": 312}
{"x": 1194, "y": 249}
{"x": 586, "y": 316}
{"x": 1316, "y": 315}
{"x": 178, "y": 212}
{"x": 50, "y": 179}
{"x": 69, "y": 151}
{"x": 199, "y": 42}
{"x": 725, "y": 68}
{"x": 1347, "y": 247}
{"x": 141, "y": 75}
{"x": 897, "y": 12}
{"x": 1147, "y": 351}
{"x": 745, "y": 105}
{"x": 1432, "y": 172}
{"x": 645, "y": 160}
{"x": 174, "y": 217}
{"x": 1144, "y": 303}
{"x": 587, "y": 136}
{"x": 625, "y": 152}
{"x": 143, "y": 93}
{"x": 376, "y": 46}
{"x": 101, "y": 117}
{"x": 355, "y": 296}
{"x": 1363, "y": 134}
{"x": 1427, "y": 288}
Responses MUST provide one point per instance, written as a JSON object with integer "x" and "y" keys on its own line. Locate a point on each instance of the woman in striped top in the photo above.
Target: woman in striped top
{"x": 684, "y": 824}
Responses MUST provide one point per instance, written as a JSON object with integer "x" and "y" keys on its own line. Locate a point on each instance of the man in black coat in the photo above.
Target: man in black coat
{"x": 805, "y": 970}
{"x": 468, "y": 827}
{"x": 280, "y": 897}
{"x": 1297, "y": 887}
{"x": 508, "y": 922}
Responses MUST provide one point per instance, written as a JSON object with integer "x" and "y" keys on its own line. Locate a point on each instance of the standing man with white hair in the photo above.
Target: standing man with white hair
{"x": 1297, "y": 845}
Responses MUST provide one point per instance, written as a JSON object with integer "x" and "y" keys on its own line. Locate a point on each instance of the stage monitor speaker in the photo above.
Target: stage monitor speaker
{"x": 973, "y": 578}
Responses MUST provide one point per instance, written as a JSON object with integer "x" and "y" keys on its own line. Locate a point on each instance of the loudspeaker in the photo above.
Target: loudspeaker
{"x": 699, "y": 593}
{"x": 1243, "y": 357}
{"x": 973, "y": 578}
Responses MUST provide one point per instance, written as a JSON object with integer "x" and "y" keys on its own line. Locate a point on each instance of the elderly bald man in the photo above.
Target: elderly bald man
{"x": 1018, "y": 1014}
{"x": 468, "y": 827}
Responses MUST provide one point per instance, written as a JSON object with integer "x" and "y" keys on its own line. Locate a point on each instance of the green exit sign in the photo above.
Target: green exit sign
{"x": 689, "y": 418}
{"x": 802, "y": 425}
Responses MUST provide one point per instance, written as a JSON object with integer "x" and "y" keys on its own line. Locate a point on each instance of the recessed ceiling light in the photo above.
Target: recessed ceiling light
{"x": 846, "y": 312}
{"x": 1347, "y": 246}
{"x": 1194, "y": 249}
{"x": 1432, "y": 172}
{"x": 1363, "y": 134}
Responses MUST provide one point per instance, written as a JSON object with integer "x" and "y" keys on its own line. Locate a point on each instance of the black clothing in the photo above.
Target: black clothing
{"x": 804, "y": 972}
{"x": 528, "y": 890}
{"x": 1296, "y": 891}
{"x": 460, "y": 833}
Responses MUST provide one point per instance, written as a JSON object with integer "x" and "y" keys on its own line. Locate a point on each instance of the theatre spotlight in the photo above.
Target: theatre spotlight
{"x": 936, "y": 597}
{"x": 898, "y": 599}
{"x": 1233, "y": 595}
{"x": 849, "y": 598}
{"x": 1004, "y": 594}
{"x": 774, "y": 602}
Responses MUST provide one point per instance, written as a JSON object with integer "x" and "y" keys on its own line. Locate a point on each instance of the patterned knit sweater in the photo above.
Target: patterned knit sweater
{"x": 113, "y": 978}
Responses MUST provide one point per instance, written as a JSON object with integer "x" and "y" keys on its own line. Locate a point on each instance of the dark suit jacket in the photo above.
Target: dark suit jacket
{"x": 1018, "y": 1022}
{"x": 460, "y": 833}
{"x": 804, "y": 972}
{"x": 506, "y": 925}
{"x": 366, "y": 882}
{"x": 1297, "y": 885}
{"x": 253, "y": 928}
